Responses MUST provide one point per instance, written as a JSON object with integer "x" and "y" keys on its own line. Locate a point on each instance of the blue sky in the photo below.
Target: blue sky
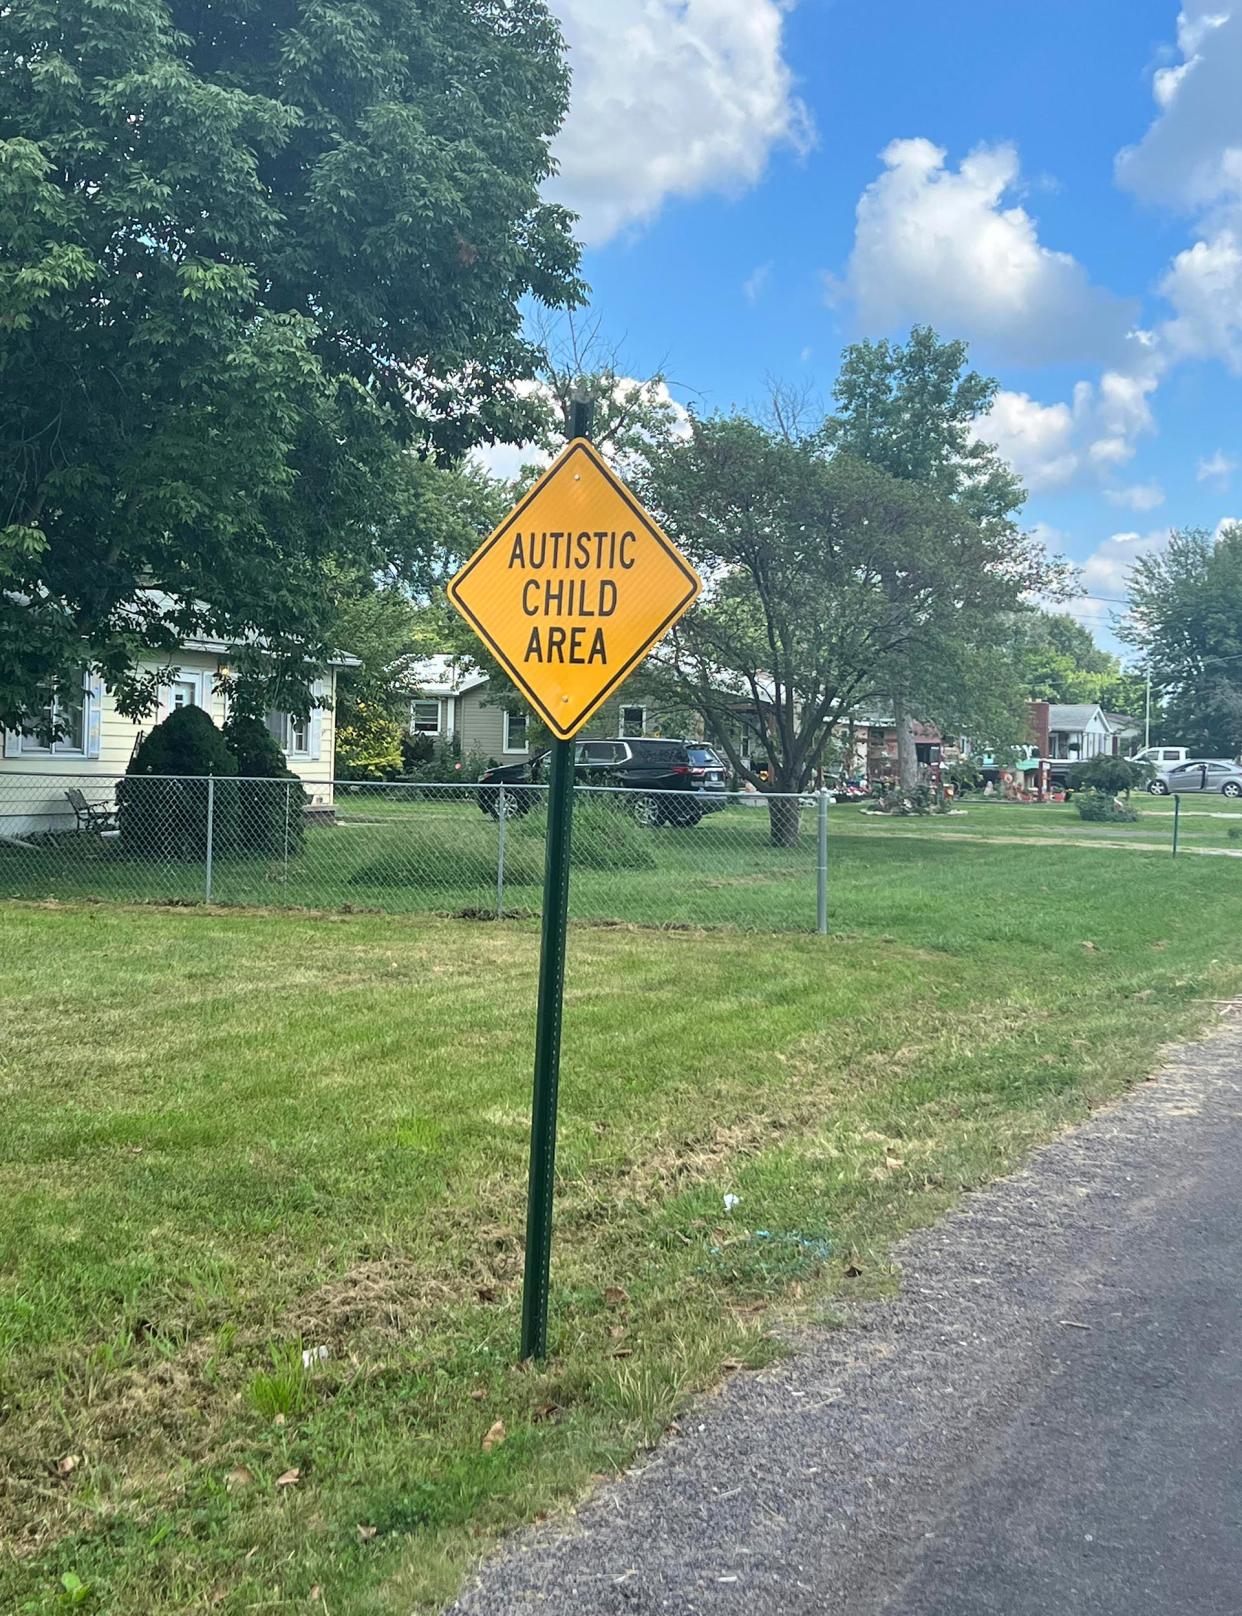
{"x": 1060, "y": 183}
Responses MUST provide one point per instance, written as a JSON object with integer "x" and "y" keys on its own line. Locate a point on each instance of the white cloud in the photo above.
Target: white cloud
{"x": 1106, "y": 571}
{"x": 1137, "y": 496}
{"x": 949, "y": 246}
{"x": 1191, "y": 156}
{"x": 671, "y": 98}
{"x": 1216, "y": 468}
{"x": 1036, "y": 439}
{"x": 1225, "y": 523}
{"x": 1204, "y": 285}
{"x": 1190, "y": 159}
{"x": 1053, "y": 445}
{"x": 753, "y": 285}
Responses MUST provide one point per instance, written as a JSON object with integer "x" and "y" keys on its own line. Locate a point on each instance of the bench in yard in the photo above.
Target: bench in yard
{"x": 91, "y": 816}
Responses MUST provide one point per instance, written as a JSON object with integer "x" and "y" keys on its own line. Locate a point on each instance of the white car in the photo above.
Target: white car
{"x": 1164, "y": 757}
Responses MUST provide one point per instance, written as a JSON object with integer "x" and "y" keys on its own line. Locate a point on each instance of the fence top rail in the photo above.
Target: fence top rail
{"x": 363, "y": 787}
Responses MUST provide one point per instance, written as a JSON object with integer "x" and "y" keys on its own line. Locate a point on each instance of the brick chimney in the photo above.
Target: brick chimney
{"x": 1038, "y": 724}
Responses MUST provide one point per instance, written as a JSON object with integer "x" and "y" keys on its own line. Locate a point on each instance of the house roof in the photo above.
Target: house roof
{"x": 165, "y": 603}
{"x": 443, "y": 675}
{"x": 1072, "y": 715}
{"x": 1120, "y": 721}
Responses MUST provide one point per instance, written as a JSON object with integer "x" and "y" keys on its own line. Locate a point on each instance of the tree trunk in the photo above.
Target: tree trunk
{"x": 784, "y": 820}
{"x": 907, "y": 754}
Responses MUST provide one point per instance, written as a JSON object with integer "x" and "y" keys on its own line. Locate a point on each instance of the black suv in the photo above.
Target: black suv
{"x": 671, "y": 782}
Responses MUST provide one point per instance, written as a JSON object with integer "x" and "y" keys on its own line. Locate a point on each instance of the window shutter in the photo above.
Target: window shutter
{"x": 94, "y": 713}
{"x": 12, "y": 743}
{"x": 314, "y": 740}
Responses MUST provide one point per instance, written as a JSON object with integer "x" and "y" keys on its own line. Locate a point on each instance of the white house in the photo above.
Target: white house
{"x": 98, "y": 741}
{"x": 1078, "y": 731}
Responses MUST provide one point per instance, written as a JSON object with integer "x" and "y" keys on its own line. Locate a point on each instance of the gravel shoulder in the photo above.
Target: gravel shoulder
{"x": 1046, "y": 1420}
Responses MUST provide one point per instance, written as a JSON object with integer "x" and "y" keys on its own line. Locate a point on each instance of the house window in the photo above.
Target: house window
{"x": 425, "y": 717}
{"x": 182, "y": 693}
{"x": 514, "y": 732}
{"x": 633, "y": 722}
{"x": 292, "y": 732}
{"x": 65, "y": 710}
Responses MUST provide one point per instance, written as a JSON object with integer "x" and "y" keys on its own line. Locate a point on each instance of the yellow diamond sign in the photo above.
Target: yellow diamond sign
{"x": 574, "y": 588}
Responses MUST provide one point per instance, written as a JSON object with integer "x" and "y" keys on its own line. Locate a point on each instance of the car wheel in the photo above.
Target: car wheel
{"x": 1231, "y": 788}
{"x": 1158, "y": 788}
{"x": 646, "y": 811}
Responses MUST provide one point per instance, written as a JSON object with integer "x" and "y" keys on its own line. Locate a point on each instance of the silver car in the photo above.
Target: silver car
{"x": 1198, "y": 775}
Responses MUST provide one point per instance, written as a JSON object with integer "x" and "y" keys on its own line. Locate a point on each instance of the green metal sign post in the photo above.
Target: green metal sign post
{"x": 548, "y": 1028}
{"x": 569, "y": 594}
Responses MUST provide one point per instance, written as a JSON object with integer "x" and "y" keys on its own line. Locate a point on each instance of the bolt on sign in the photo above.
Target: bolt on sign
{"x": 574, "y": 588}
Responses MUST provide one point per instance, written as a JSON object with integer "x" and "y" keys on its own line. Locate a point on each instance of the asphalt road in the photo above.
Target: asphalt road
{"x": 1046, "y": 1422}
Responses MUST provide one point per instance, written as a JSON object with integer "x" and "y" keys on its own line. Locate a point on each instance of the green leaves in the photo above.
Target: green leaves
{"x": 249, "y": 257}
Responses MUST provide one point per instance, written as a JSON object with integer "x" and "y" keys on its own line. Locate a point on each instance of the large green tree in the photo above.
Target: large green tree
{"x": 913, "y": 410}
{"x": 1185, "y": 617}
{"x": 1058, "y": 660}
{"x": 800, "y": 624}
{"x": 249, "y": 254}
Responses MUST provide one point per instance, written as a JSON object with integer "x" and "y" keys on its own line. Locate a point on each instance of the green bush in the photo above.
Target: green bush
{"x": 963, "y": 776}
{"x": 1102, "y": 809}
{"x": 442, "y": 763}
{"x": 370, "y": 744}
{"x": 416, "y": 750}
{"x": 1111, "y": 775}
{"x": 162, "y": 817}
{"x": 270, "y": 797}
{"x": 604, "y": 836}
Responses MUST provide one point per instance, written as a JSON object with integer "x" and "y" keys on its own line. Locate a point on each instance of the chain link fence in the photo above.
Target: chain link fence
{"x": 666, "y": 858}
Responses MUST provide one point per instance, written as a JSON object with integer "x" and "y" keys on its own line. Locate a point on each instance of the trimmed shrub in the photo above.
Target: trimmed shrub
{"x": 162, "y": 817}
{"x": 1102, "y": 809}
{"x": 1111, "y": 775}
{"x": 270, "y": 797}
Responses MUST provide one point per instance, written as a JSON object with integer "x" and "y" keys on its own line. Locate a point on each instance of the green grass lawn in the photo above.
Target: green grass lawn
{"x": 1206, "y": 821}
{"x": 414, "y": 855}
{"x": 230, "y": 1137}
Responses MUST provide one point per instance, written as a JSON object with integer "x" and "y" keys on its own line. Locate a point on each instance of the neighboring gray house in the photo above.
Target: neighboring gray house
{"x": 1078, "y": 731}
{"x": 450, "y": 700}
{"x": 1125, "y": 733}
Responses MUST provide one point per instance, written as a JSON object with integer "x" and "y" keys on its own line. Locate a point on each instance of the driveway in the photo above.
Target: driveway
{"x": 1046, "y": 1422}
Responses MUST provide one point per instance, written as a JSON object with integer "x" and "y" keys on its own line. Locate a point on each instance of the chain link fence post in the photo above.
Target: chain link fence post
{"x": 211, "y": 826}
{"x": 288, "y": 801}
{"x": 502, "y": 815}
{"x": 821, "y": 909}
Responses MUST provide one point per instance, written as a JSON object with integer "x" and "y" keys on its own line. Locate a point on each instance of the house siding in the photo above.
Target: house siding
{"x": 41, "y": 805}
{"x": 477, "y": 721}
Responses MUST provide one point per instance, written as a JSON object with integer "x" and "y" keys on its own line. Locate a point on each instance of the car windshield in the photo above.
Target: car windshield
{"x": 702, "y": 757}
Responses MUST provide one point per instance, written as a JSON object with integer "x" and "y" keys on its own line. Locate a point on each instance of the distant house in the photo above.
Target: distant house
{"x": 98, "y": 742}
{"x": 1126, "y": 732}
{"x": 1076, "y": 731}
{"x": 451, "y": 700}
